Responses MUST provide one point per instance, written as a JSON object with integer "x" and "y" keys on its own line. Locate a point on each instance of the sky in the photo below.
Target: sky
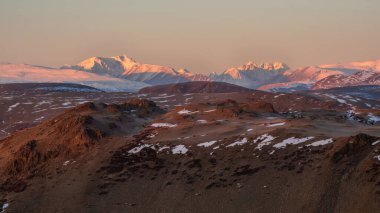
{"x": 201, "y": 35}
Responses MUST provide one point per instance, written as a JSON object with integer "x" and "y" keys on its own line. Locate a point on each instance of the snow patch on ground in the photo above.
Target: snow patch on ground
{"x": 186, "y": 112}
{"x": 321, "y": 142}
{"x": 263, "y": 140}
{"x": 207, "y": 144}
{"x": 238, "y": 142}
{"x": 291, "y": 141}
{"x": 180, "y": 149}
{"x": 164, "y": 125}
{"x": 41, "y": 103}
{"x": 39, "y": 119}
{"x": 66, "y": 163}
{"x": 276, "y": 124}
{"x": 342, "y": 101}
{"x": 374, "y": 143}
{"x": 4, "y": 207}
{"x": 163, "y": 148}
{"x": 13, "y": 106}
{"x": 202, "y": 121}
{"x": 153, "y": 135}
{"x": 162, "y": 97}
{"x": 373, "y": 118}
{"x": 137, "y": 149}
{"x": 351, "y": 115}
{"x": 271, "y": 118}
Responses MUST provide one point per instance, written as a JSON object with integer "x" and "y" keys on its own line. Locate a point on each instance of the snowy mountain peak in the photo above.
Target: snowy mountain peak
{"x": 251, "y": 64}
{"x": 271, "y": 66}
{"x": 252, "y": 75}
{"x": 248, "y": 66}
{"x": 233, "y": 72}
{"x": 183, "y": 71}
{"x": 274, "y": 66}
{"x": 108, "y": 64}
{"x": 124, "y": 58}
{"x": 127, "y": 68}
{"x": 118, "y": 66}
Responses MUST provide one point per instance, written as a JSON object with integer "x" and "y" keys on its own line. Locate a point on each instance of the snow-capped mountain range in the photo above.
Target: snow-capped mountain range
{"x": 356, "y": 79}
{"x": 127, "y": 68}
{"x": 252, "y": 75}
{"x": 125, "y": 74}
{"x": 355, "y": 66}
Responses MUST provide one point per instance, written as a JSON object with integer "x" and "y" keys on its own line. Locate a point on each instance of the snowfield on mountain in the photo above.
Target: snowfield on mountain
{"x": 23, "y": 73}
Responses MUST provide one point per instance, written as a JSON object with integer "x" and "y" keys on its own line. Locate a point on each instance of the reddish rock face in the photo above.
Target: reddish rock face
{"x": 68, "y": 135}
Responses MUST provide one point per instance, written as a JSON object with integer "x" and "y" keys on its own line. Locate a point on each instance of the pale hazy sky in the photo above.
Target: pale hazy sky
{"x": 201, "y": 35}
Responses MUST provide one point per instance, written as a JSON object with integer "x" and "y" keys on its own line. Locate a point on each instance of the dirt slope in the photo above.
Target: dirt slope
{"x": 245, "y": 152}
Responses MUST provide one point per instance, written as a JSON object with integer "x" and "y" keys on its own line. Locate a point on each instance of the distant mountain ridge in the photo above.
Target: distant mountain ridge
{"x": 271, "y": 76}
{"x": 373, "y": 66}
{"x": 195, "y": 87}
{"x": 357, "y": 79}
{"x": 277, "y": 76}
{"x": 274, "y": 76}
